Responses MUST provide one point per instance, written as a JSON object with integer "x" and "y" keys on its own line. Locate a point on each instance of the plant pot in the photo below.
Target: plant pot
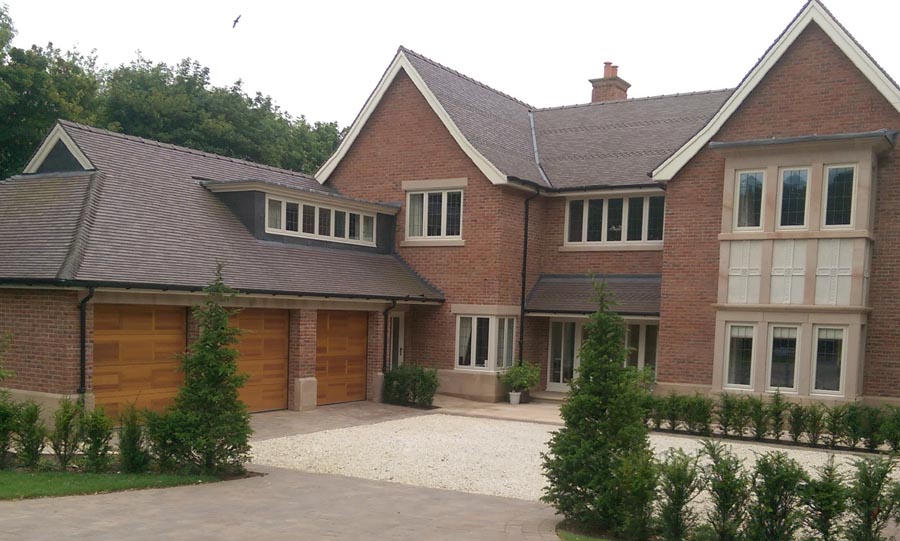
{"x": 514, "y": 397}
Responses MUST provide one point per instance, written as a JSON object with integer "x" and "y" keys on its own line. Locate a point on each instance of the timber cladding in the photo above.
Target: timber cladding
{"x": 341, "y": 345}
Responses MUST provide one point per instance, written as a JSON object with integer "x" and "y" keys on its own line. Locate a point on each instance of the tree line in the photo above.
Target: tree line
{"x": 171, "y": 103}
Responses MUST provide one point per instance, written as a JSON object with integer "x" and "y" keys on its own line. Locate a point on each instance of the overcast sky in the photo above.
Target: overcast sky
{"x": 322, "y": 59}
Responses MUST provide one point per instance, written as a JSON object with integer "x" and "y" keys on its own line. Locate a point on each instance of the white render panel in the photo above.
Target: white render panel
{"x": 788, "y": 271}
{"x": 744, "y": 272}
{"x": 833, "y": 271}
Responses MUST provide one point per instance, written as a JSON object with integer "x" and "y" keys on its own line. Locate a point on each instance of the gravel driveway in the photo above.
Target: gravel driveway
{"x": 481, "y": 456}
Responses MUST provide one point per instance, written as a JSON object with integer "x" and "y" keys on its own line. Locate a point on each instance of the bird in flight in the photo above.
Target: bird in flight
{"x": 236, "y": 21}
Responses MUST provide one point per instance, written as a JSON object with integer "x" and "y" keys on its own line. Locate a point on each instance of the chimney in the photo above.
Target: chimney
{"x": 610, "y": 87}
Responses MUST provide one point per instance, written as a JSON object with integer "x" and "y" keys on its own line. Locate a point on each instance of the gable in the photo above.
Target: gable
{"x": 813, "y": 13}
{"x": 58, "y": 153}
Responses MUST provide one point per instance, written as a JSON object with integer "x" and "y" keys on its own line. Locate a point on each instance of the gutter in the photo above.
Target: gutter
{"x": 537, "y": 192}
{"x": 575, "y": 189}
{"x": 82, "y": 361}
{"x": 384, "y": 338}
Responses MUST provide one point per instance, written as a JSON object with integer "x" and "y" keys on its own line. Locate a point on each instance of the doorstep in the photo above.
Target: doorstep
{"x": 549, "y": 397}
{"x": 541, "y": 412}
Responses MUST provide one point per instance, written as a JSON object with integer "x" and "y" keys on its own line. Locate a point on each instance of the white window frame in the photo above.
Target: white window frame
{"x": 845, "y": 332}
{"x": 727, "y": 359}
{"x": 737, "y": 200}
{"x": 642, "y": 339}
{"x": 603, "y": 241}
{"x": 493, "y": 334}
{"x": 780, "y": 195}
{"x": 769, "y": 387}
{"x": 319, "y": 236}
{"x": 824, "y": 211}
{"x": 576, "y": 360}
{"x": 425, "y": 205}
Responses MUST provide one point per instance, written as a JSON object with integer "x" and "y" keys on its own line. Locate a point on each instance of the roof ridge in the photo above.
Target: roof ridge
{"x": 180, "y": 148}
{"x": 464, "y": 76}
{"x": 643, "y": 98}
{"x": 75, "y": 254}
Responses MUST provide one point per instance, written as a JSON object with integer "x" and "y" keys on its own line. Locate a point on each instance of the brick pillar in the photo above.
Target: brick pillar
{"x": 375, "y": 356}
{"x": 302, "y": 360}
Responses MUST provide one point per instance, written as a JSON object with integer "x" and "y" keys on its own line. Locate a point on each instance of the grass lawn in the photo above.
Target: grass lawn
{"x": 15, "y": 485}
{"x": 568, "y": 536}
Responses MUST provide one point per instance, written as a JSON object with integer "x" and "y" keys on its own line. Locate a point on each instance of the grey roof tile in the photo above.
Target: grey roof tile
{"x": 634, "y": 294}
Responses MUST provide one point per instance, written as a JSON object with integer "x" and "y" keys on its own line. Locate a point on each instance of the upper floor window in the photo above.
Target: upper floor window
{"x": 434, "y": 214}
{"x": 748, "y": 199}
{"x": 615, "y": 219}
{"x": 838, "y": 190}
{"x": 294, "y": 218}
{"x": 485, "y": 342}
{"x": 792, "y": 190}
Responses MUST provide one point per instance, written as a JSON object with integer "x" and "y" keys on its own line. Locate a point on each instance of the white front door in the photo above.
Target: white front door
{"x": 397, "y": 338}
{"x": 565, "y": 342}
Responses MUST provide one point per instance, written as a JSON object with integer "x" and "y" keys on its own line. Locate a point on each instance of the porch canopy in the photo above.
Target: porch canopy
{"x": 566, "y": 294}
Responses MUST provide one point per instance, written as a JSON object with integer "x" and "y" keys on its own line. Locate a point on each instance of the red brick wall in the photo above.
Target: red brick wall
{"x": 375, "y": 353}
{"x": 45, "y": 349}
{"x": 301, "y": 348}
{"x": 813, "y": 89}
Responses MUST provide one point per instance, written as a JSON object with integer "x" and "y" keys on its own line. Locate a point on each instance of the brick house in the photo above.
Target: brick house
{"x": 747, "y": 235}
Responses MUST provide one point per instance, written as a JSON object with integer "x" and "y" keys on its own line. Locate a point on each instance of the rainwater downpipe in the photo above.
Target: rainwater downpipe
{"x": 384, "y": 338}
{"x": 537, "y": 192}
{"x": 82, "y": 366}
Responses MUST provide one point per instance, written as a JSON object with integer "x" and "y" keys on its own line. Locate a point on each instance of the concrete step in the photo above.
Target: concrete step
{"x": 546, "y": 397}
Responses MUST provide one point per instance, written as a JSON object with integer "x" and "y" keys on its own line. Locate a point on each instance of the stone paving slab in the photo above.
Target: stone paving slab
{"x": 283, "y": 504}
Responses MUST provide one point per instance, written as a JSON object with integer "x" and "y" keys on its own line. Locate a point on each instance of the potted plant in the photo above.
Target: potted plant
{"x": 520, "y": 377}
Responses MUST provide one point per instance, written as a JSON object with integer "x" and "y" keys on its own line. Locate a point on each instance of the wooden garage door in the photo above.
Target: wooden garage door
{"x": 264, "y": 356}
{"x": 341, "y": 356}
{"x": 135, "y": 355}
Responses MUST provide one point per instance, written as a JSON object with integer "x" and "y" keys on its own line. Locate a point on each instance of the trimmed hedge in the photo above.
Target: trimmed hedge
{"x": 410, "y": 385}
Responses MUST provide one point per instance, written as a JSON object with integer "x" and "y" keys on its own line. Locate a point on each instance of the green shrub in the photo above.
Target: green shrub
{"x": 890, "y": 427}
{"x": 777, "y": 410}
{"x": 853, "y": 426}
{"x": 167, "y": 439}
{"x": 410, "y": 385}
{"x": 680, "y": 482}
{"x": 9, "y": 418}
{"x": 873, "y": 499}
{"x": 742, "y": 415}
{"x": 635, "y": 475}
{"x": 815, "y": 417}
{"x": 729, "y": 489}
{"x": 836, "y": 425}
{"x": 674, "y": 407}
{"x": 133, "y": 454}
{"x": 775, "y": 511}
{"x": 796, "y": 422}
{"x": 96, "y": 433}
{"x": 759, "y": 417}
{"x": 31, "y": 435}
{"x": 870, "y": 420}
{"x": 65, "y": 437}
{"x": 657, "y": 407}
{"x": 521, "y": 376}
{"x": 698, "y": 414}
{"x": 726, "y": 412}
{"x": 604, "y": 433}
{"x": 5, "y": 342}
{"x": 825, "y": 501}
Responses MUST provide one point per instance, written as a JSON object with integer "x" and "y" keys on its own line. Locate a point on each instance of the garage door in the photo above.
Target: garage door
{"x": 136, "y": 348}
{"x": 341, "y": 356}
{"x": 264, "y": 357}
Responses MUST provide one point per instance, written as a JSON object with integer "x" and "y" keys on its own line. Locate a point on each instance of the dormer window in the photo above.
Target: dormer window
{"x": 308, "y": 220}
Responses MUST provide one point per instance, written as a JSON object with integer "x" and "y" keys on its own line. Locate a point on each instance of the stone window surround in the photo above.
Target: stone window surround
{"x": 434, "y": 185}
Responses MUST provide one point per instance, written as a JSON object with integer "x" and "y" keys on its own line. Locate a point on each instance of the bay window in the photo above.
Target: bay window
{"x": 748, "y": 199}
{"x": 783, "y": 357}
{"x": 792, "y": 198}
{"x": 739, "y": 356}
{"x": 636, "y": 219}
{"x": 828, "y": 360}
{"x": 434, "y": 214}
{"x": 839, "y": 182}
{"x": 485, "y": 342}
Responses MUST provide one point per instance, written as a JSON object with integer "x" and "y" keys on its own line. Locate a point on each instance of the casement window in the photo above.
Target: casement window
{"x": 307, "y": 220}
{"x": 485, "y": 342}
{"x": 782, "y": 358}
{"x": 838, "y": 192}
{"x": 434, "y": 214}
{"x": 829, "y": 358}
{"x": 641, "y": 340}
{"x": 739, "y": 356}
{"x": 748, "y": 195}
{"x": 793, "y": 189}
{"x": 637, "y": 219}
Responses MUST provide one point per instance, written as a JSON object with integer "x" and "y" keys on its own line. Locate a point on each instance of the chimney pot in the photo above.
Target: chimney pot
{"x": 610, "y": 87}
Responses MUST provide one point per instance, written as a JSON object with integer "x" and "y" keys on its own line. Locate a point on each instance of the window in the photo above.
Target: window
{"x": 792, "y": 204}
{"x": 739, "y": 356}
{"x": 749, "y": 198}
{"x": 618, "y": 219}
{"x": 641, "y": 340}
{"x": 314, "y": 221}
{"x": 563, "y": 351}
{"x": 782, "y": 357}
{"x": 828, "y": 360}
{"x": 485, "y": 342}
{"x": 434, "y": 215}
{"x": 839, "y": 195}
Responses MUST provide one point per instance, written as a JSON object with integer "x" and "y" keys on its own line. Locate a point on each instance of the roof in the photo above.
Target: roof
{"x": 634, "y": 294}
{"x": 143, "y": 218}
{"x": 813, "y": 12}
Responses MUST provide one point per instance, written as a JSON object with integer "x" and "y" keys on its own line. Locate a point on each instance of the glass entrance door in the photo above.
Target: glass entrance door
{"x": 565, "y": 341}
{"x": 397, "y": 339}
